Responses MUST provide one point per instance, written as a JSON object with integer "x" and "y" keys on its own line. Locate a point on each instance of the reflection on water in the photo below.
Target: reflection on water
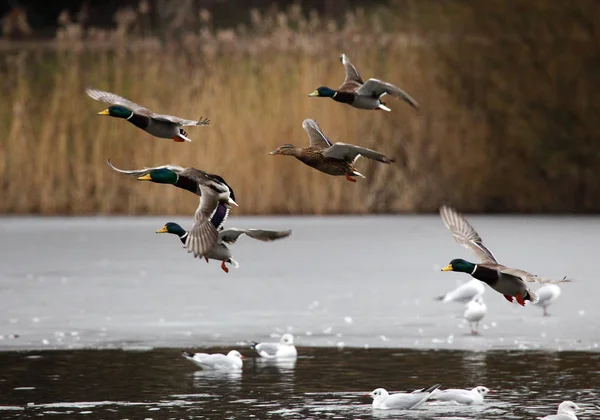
{"x": 321, "y": 383}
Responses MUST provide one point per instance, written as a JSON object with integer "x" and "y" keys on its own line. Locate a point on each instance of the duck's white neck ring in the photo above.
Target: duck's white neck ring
{"x": 474, "y": 269}
{"x": 128, "y": 118}
{"x": 184, "y": 235}
{"x": 334, "y": 95}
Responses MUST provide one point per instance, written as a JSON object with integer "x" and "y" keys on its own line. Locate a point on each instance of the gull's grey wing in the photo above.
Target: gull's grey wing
{"x": 350, "y": 153}
{"x": 315, "y": 134}
{"x": 532, "y": 278}
{"x": 203, "y": 236}
{"x": 141, "y": 172}
{"x": 463, "y": 293}
{"x": 375, "y": 88}
{"x": 353, "y": 80}
{"x": 270, "y": 349}
{"x": 465, "y": 235}
{"x": 114, "y": 99}
{"x": 182, "y": 122}
{"x": 231, "y": 235}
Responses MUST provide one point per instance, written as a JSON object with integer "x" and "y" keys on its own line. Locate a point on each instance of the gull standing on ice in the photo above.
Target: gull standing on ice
{"x": 461, "y": 396}
{"x": 216, "y": 361}
{"x": 547, "y": 294}
{"x": 285, "y": 349}
{"x": 566, "y": 411}
{"x": 382, "y": 400}
{"x": 474, "y": 312}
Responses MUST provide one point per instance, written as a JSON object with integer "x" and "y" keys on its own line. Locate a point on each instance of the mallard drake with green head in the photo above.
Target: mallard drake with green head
{"x": 158, "y": 125}
{"x": 221, "y": 252}
{"x": 362, "y": 95}
{"x": 333, "y": 159}
{"x": 216, "y": 199}
{"x": 509, "y": 282}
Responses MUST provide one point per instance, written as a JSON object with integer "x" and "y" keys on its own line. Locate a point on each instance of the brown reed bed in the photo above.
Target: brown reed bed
{"x": 252, "y": 82}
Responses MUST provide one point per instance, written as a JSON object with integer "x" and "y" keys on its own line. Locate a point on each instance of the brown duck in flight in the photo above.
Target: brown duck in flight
{"x": 332, "y": 158}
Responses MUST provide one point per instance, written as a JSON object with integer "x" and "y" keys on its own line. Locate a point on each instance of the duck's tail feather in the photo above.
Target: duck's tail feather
{"x": 533, "y": 297}
{"x": 233, "y": 263}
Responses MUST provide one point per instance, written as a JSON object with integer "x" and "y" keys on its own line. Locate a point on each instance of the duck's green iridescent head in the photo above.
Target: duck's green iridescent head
{"x": 460, "y": 265}
{"x": 117, "y": 111}
{"x": 173, "y": 228}
{"x": 323, "y": 92}
{"x": 160, "y": 176}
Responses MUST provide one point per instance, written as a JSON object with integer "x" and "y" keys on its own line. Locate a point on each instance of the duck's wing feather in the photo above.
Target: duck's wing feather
{"x": 531, "y": 278}
{"x": 231, "y": 235}
{"x": 114, "y": 99}
{"x": 353, "y": 80}
{"x": 465, "y": 235}
{"x": 375, "y": 88}
{"x": 142, "y": 172}
{"x": 315, "y": 134}
{"x": 182, "y": 122}
{"x": 203, "y": 236}
{"x": 350, "y": 153}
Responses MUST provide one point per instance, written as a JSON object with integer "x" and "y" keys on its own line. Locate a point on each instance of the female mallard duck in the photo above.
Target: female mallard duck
{"x": 333, "y": 159}
{"x": 507, "y": 281}
{"x": 362, "y": 95}
{"x": 162, "y": 126}
{"x": 220, "y": 252}
{"x": 216, "y": 199}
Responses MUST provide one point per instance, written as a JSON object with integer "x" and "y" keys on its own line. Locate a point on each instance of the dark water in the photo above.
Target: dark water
{"x": 322, "y": 383}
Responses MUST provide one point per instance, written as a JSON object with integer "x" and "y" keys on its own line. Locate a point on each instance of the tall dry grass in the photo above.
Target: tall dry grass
{"x": 252, "y": 82}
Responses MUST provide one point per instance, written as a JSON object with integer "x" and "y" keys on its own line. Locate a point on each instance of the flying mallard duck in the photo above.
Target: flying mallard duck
{"x": 507, "y": 281}
{"x": 333, "y": 159}
{"x": 220, "y": 252}
{"x": 216, "y": 199}
{"x": 363, "y": 95}
{"x": 163, "y": 126}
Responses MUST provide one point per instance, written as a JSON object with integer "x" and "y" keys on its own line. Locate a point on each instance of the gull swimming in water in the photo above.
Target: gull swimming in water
{"x": 461, "y": 396}
{"x": 566, "y": 411}
{"x": 464, "y": 293}
{"x": 547, "y": 294}
{"x": 285, "y": 349}
{"x": 216, "y": 361}
{"x": 383, "y": 400}
{"x": 475, "y": 310}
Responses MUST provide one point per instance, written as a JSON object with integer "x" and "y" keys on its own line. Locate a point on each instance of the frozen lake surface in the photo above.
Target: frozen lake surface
{"x": 360, "y": 281}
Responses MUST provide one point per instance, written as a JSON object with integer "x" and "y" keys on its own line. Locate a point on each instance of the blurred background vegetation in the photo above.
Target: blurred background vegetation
{"x": 508, "y": 93}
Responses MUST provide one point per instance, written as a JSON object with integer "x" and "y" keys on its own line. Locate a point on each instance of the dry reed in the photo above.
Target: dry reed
{"x": 252, "y": 82}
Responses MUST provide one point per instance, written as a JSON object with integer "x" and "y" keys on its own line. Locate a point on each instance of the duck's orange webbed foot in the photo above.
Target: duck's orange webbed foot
{"x": 206, "y": 258}
{"x": 224, "y": 267}
{"x": 508, "y": 297}
{"x": 349, "y": 178}
{"x": 520, "y": 300}
{"x": 178, "y": 139}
